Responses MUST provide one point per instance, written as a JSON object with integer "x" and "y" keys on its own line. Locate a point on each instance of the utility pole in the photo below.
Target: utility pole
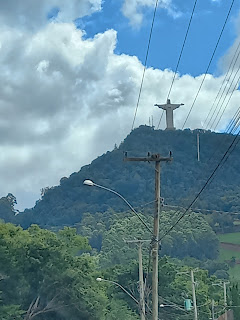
{"x": 140, "y": 272}
{"x": 213, "y": 316}
{"x": 141, "y": 283}
{"x": 225, "y": 298}
{"x": 194, "y": 296}
{"x": 198, "y": 147}
{"x": 224, "y": 286}
{"x": 155, "y": 245}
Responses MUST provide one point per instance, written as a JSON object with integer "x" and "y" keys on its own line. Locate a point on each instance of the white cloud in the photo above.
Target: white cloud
{"x": 34, "y": 14}
{"x": 134, "y": 9}
{"x": 66, "y": 98}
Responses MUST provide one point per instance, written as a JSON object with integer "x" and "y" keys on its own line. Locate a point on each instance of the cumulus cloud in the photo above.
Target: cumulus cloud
{"x": 66, "y": 98}
{"x": 134, "y": 9}
{"x": 34, "y": 14}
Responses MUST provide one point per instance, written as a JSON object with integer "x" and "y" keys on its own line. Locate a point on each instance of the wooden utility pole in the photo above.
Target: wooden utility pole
{"x": 224, "y": 286}
{"x": 213, "y": 316}
{"x": 140, "y": 272}
{"x": 194, "y": 296}
{"x": 155, "y": 243}
{"x": 225, "y": 298}
{"x": 198, "y": 147}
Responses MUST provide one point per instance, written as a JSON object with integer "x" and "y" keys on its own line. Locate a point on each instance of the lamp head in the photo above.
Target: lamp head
{"x": 99, "y": 279}
{"x": 88, "y": 183}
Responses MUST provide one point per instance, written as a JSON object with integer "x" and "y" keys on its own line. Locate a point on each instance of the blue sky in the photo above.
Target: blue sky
{"x": 169, "y": 32}
{"x": 72, "y": 87}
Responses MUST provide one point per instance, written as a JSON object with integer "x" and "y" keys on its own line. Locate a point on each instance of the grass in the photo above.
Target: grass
{"x": 225, "y": 254}
{"x": 228, "y": 254}
{"x": 230, "y": 237}
{"x": 234, "y": 273}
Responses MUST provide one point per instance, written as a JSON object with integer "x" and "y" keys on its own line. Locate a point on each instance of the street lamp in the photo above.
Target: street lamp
{"x": 165, "y": 305}
{"x": 172, "y": 306}
{"x": 118, "y": 285}
{"x": 90, "y": 183}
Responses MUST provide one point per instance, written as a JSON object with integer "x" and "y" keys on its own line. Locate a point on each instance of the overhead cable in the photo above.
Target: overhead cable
{"x": 202, "y": 189}
{"x": 180, "y": 56}
{"x": 209, "y": 64}
{"x": 145, "y": 64}
{"x": 225, "y": 80}
{"x": 235, "y": 87}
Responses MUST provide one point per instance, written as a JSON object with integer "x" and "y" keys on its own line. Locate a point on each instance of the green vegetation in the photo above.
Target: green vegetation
{"x": 230, "y": 237}
{"x": 48, "y": 271}
{"x": 234, "y": 273}
{"x": 226, "y": 255}
{"x": 181, "y": 180}
{"x": 44, "y": 276}
{"x": 51, "y": 276}
{"x": 230, "y": 255}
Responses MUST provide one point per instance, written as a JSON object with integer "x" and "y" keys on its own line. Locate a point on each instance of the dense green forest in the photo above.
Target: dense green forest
{"x": 48, "y": 271}
{"x": 181, "y": 179}
{"x": 52, "y": 276}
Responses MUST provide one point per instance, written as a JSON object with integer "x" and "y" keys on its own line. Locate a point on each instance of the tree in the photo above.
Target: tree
{"x": 235, "y": 297}
{"x": 192, "y": 237}
{"x": 66, "y": 203}
{"x": 45, "y": 277}
{"x": 7, "y": 211}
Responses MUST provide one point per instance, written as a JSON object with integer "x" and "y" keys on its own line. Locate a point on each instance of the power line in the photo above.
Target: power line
{"x": 236, "y": 116}
{"x": 225, "y": 80}
{"x": 180, "y": 56}
{"x": 214, "y": 51}
{"x": 160, "y": 120}
{"x": 228, "y": 99}
{"x": 145, "y": 63}
{"x": 202, "y": 189}
{"x": 210, "y": 158}
{"x": 202, "y": 210}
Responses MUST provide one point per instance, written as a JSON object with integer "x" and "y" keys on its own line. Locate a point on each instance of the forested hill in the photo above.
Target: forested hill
{"x": 180, "y": 179}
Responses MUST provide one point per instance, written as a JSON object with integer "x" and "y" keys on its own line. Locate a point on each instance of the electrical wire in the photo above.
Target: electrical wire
{"x": 208, "y": 210}
{"x": 202, "y": 189}
{"x": 225, "y": 80}
{"x": 145, "y": 63}
{"x": 232, "y": 128}
{"x": 209, "y": 64}
{"x": 228, "y": 100}
{"x": 180, "y": 56}
{"x": 179, "y": 211}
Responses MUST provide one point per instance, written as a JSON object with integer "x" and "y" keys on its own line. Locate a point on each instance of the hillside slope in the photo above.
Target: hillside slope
{"x": 180, "y": 180}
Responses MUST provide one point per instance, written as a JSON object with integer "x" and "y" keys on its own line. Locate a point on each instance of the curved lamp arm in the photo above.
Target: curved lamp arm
{"x": 117, "y": 284}
{"x": 91, "y": 183}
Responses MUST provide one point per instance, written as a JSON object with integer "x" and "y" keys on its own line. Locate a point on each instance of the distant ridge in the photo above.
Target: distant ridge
{"x": 181, "y": 179}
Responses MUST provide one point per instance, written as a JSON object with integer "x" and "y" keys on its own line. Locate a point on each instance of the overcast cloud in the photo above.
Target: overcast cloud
{"x": 66, "y": 98}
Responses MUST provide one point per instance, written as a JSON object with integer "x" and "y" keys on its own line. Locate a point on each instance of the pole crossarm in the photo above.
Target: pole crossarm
{"x": 152, "y": 158}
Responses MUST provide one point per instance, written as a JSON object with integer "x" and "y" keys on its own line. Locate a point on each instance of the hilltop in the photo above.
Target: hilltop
{"x": 180, "y": 179}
